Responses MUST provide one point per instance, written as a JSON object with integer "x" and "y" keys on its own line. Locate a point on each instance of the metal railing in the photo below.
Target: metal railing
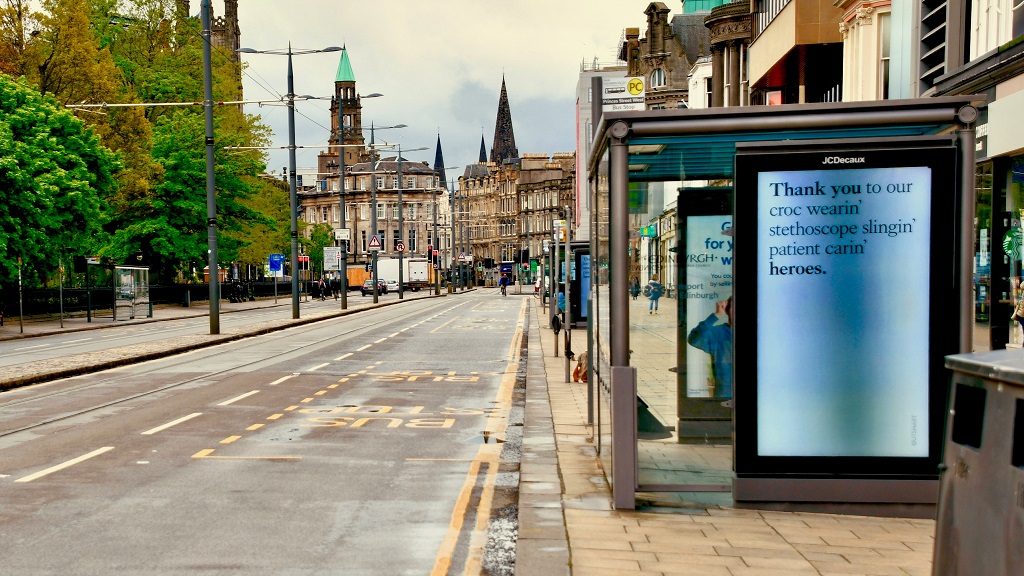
{"x": 764, "y": 12}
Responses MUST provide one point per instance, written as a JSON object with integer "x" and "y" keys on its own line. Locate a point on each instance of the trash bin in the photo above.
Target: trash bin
{"x": 980, "y": 528}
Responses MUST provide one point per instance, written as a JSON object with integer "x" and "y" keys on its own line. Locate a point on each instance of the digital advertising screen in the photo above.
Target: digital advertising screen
{"x": 708, "y": 290}
{"x": 850, "y": 257}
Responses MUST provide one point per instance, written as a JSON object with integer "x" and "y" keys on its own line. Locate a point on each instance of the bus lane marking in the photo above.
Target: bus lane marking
{"x": 163, "y": 427}
{"x": 237, "y": 398}
{"x": 64, "y": 465}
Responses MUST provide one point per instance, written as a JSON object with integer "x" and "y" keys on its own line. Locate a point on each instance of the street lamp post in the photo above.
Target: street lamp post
{"x": 401, "y": 223}
{"x": 292, "y": 193}
{"x": 211, "y": 195}
{"x": 341, "y": 196}
{"x": 373, "y": 205}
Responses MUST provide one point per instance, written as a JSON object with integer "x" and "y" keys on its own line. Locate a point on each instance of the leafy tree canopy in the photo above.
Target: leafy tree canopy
{"x": 53, "y": 174}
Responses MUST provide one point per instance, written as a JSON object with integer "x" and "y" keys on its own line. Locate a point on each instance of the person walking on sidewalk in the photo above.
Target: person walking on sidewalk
{"x": 654, "y": 290}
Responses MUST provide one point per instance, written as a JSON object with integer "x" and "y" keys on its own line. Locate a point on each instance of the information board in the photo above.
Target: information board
{"x": 845, "y": 307}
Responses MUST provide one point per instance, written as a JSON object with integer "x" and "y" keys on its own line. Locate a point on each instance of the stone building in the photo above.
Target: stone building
{"x": 371, "y": 175}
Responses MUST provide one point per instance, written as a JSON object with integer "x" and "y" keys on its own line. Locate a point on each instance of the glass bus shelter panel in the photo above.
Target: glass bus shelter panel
{"x": 131, "y": 293}
{"x": 600, "y": 318}
{"x": 684, "y": 418}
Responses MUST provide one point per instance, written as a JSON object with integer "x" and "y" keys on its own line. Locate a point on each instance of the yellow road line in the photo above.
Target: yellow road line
{"x": 290, "y": 408}
{"x": 490, "y": 453}
{"x": 255, "y": 427}
{"x": 320, "y": 393}
{"x": 230, "y": 439}
{"x": 64, "y": 465}
{"x": 304, "y": 400}
{"x": 274, "y": 416}
{"x": 333, "y": 386}
{"x": 443, "y": 560}
{"x": 205, "y": 454}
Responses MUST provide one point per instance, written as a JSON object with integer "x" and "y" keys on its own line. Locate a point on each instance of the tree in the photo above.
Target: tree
{"x": 319, "y": 236}
{"x": 53, "y": 174}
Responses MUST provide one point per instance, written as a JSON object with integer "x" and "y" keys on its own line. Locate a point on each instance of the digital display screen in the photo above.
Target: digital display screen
{"x": 846, "y": 259}
{"x": 843, "y": 282}
{"x": 708, "y": 290}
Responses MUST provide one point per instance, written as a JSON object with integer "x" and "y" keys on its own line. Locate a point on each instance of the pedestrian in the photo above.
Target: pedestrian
{"x": 536, "y": 287}
{"x": 655, "y": 290}
{"x": 322, "y": 287}
{"x": 561, "y": 299}
{"x": 1018, "y": 310}
{"x": 634, "y": 287}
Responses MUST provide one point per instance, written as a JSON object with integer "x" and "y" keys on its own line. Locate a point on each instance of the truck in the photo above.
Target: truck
{"x": 415, "y": 272}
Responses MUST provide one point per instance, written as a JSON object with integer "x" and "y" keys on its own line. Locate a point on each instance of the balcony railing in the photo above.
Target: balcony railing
{"x": 764, "y": 12}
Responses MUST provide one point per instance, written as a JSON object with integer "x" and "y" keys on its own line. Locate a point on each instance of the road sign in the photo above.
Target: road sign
{"x": 332, "y": 258}
{"x": 342, "y": 234}
{"x": 275, "y": 262}
{"x": 400, "y": 246}
{"x": 435, "y": 266}
{"x": 620, "y": 94}
{"x": 374, "y": 243}
{"x": 462, "y": 256}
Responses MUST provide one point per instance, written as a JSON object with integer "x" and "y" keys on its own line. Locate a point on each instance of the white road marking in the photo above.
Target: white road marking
{"x": 67, "y": 464}
{"x": 74, "y": 341}
{"x": 31, "y": 347}
{"x": 318, "y": 366}
{"x": 363, "y": 348}
{"x": 393, "y": 335}
{"x": 237, "y": 398}
{"x": 283, "y": 378}
{"x": 343, "y": 356}
{"x": 172, "y": 423}
{"x": 379, "y": 341}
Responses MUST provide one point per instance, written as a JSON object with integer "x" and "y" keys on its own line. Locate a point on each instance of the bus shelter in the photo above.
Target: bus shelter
{"x": 804, "y": 250}
{"x": 131, "y": 293}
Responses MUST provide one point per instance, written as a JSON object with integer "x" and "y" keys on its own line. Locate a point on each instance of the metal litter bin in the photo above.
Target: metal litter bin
{"x": 980, "y": 527}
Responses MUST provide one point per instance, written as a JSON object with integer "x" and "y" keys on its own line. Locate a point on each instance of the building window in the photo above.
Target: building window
{"x": 657, "y": 78}
{"x": 323, "y": 213}
{"x": 884, "y": 51}
{"x": 410, "y": 182}
{"x": 380, "y": 211}
{"x": 410, "y": 245}
{"x": 394, "y": 212}
{"x": 412, "y": 210}
{"x": 707, "y": 92}
{"x": 364, "y": 211}
{"x": 380, "y": 182}
{"x": 396, "y": 238}
{"x": 362, "y": 234}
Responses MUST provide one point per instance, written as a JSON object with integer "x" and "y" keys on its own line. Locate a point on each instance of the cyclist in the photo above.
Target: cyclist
{"x": 503, "y": 283}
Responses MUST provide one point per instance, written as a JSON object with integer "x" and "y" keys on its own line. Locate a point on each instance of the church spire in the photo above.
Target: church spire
{"x": 504, "y": 146}
{"x": 483, "y": 151}
{"x": 439, "y": 164}
{"x": 345, "y": 73}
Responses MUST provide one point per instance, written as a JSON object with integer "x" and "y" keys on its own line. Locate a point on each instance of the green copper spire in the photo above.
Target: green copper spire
{"x": 345, "y": 73}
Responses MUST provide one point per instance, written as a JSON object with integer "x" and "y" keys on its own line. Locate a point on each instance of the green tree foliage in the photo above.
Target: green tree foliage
{"x": 53, "y": 174}
{"x": 319, "y": 236}
{"x": 171, "y": 228}
{"x": 18, "y": 23}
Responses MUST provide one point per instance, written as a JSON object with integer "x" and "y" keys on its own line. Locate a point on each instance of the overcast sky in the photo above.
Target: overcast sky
{"x": 439, "y": 64}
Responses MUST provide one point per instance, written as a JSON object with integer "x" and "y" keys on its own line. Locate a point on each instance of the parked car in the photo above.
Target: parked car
{"x": 367, "y": 287}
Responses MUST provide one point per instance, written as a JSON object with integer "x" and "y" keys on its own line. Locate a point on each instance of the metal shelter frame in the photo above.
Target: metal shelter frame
{"x": 662, "y": 145}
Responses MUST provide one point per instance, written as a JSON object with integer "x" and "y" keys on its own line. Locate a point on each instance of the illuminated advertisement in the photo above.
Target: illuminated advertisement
{"x": 851, "y": 255}
{"x": 708, "y": 294}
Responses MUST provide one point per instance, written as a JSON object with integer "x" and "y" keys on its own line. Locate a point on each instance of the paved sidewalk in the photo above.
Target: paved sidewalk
{"x": 692, "y": 538}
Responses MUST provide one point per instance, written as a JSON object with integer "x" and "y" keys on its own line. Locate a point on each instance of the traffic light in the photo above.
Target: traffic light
{"x": 436, "y": 258}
